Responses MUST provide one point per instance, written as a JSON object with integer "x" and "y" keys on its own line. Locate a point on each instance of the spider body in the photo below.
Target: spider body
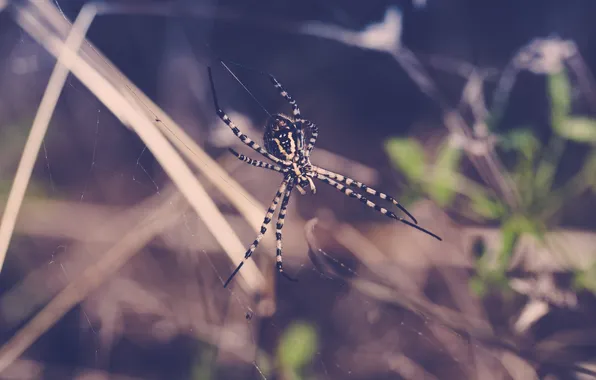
{"x": 284, "y": 145}
{"x": 284, "y": 139}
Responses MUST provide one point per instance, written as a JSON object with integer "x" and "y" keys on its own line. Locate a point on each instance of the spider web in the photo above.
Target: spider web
{"x": 166, "y": 306}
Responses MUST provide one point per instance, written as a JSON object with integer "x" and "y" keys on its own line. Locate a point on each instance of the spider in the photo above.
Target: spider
{"x": 285, "y": 145}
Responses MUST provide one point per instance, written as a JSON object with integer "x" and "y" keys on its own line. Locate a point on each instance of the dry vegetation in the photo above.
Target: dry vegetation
{"x": 113, "y": 264}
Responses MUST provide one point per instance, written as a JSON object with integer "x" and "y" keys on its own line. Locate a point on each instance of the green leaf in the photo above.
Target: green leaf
{"x": 521, "y": 140}
{"x": 559, "y": 90}
{"x": 297, "y": 346}
{"x": 408, "y": 156}
{"x": 580, "y": 129}
{"x": 477, "y": 286}
{"x": 486, "y": 207}
{"x": 442, "y": 187}
{"x": 448, "y": 158}
{"x": 512, "y": 230}
{"x": 547, "y": 167}
{"x": 491, "y": 280}
{"x": 441, "y": 192}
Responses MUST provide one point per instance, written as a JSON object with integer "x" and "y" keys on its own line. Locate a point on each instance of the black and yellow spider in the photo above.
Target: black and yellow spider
{"x": 285, "y": 146}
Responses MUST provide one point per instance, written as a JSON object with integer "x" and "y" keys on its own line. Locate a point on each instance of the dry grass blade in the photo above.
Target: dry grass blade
{"x": 145, "y": 230}
{"x": 467, "y": 328}
{"x": 130, "y": 114}
{"x": 408, "y": 368}
{"x": 246, "y": 204}
{"x": 101, "y": 226}
{"x": 36, "y": 136}
{"x": 133, "y": 115}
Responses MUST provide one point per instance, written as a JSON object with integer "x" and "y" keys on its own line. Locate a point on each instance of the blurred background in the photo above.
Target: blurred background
{"x": 480, "y": 117}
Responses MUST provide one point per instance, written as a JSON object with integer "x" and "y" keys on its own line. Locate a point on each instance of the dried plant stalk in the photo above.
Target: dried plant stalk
{"x": 145, "y": 230}
{"x": 130, "y": 113}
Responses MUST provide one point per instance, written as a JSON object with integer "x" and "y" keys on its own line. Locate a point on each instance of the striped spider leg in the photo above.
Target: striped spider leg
{"x": 300, "y": 122}
{"x": 280, "y": 224}
{"x": 244, "y": 138}
{"x": 359, "y": 185}
{"x": 270, "y": 211}
{"x": 284, "y": 145}
{"x": 286, "y": 96}
{"x": 257, "y": 163}
{"x": 314, "y": 133}
{"x": 326, "y": 175}
{"x": 352, "y": 194}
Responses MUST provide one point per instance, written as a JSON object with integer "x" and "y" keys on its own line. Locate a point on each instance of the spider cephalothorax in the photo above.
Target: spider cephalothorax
{"x": 285, "y": 146}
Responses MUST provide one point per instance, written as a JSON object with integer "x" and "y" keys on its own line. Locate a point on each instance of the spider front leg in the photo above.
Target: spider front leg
{"x": 349, "y": 192}
{"x": 280, "y": 224}
{"x": 356, "y": 184}
{"x": 314, "y": 130}
{"x": 244, "y": 138}
{"x": 266, "y": 221}
{"x": 286, "y": 96}
{"x": 257, "y": 163}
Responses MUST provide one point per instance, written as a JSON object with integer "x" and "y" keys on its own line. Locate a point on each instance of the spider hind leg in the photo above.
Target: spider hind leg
{"x": 352, "y": 194}
{"x": 359, "y": 185}
{"x": 278, "y": 235}
{"x": 270, "y": 211}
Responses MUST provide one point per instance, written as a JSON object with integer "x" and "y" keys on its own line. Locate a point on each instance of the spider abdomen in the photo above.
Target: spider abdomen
{"x": 283, "y": 138}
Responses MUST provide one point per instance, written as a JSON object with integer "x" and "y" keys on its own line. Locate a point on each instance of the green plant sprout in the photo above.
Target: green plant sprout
{"x": 296, "y": 350}
{"x": 534, "y": 169}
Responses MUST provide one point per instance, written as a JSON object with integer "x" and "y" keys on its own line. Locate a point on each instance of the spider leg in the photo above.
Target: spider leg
{"x": 349, "y": 192}
{"x": 314, "y": 130}
{"x": 353, "y": 183}
{"x": 282, "y": 90}
{"x": 286, "y": 96}
{"x": 314, "y": 134}
{"x": 264, "y": 225}
{"x": 280, "y": 224}
{"x": 244, "y": 138}
{"x": 257, "y": 163}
